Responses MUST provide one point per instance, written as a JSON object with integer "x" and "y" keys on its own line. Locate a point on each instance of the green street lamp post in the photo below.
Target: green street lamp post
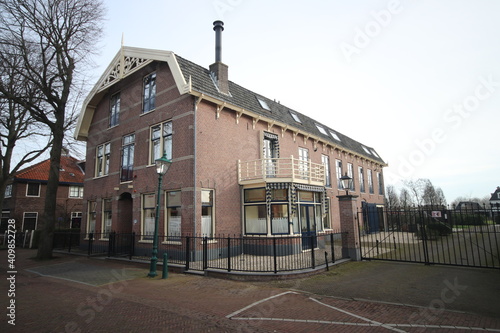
{"x": 162, "y": 165}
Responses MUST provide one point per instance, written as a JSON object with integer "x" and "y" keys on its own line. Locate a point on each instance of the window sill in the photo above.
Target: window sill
{"x": 146, "y": 241}
{"x": 172, "y": 243}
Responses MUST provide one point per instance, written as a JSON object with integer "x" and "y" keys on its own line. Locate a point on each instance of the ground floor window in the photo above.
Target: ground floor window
{"x": 106, "y": 218}
{"x": 30, "y": 221}
{"x": 91, "y": 216}
{"x": 279, "y": 219}
{"x": 76, "y": 220}
{"x": 173, "y": 216}
{"x": 148, "y": 216}
{"x": 207, "y": 213}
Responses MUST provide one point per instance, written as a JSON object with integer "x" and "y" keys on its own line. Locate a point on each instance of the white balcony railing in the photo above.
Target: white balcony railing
{"x": 281, "y": 170}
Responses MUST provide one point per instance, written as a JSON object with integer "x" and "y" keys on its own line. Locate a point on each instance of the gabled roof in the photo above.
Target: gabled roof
{"x": 198, "y": 81}
{"x": 70, "y": 172}
{"x": 495, "y": 196}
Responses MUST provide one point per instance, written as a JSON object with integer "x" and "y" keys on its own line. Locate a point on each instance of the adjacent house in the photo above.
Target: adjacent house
{"x": 25, "y": 195}
{"x": 495, "y": 198}
{"x": 242, "y": 164}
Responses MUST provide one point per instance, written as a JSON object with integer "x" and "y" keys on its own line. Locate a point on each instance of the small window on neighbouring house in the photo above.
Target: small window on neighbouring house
{"x": 33, "y": 190}
{"x": 76, "y": 191}
{"x": 264, "y": 104}
{"x": 8, "y": 191}
{"x": 295, "y": 117}
{"x": 321, "y": 129}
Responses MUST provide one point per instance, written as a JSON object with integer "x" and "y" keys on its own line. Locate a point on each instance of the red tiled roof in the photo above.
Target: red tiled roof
{"x": 70, "y": 172}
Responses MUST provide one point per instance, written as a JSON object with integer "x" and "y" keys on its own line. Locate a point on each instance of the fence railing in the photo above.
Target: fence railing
{"x": 226, "y": 253}
{"x": 432, "y": 235}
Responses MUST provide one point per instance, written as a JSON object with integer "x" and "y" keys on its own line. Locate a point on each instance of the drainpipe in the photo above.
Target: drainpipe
{"x": 195, "y": 105}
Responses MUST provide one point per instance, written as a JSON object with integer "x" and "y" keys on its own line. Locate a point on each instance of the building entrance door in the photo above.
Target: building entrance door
{"x": 308, "y": 227}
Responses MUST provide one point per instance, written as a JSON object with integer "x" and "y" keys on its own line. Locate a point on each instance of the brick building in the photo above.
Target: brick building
{"x": 241, "y": 163}
{"x": 25, "y": 195}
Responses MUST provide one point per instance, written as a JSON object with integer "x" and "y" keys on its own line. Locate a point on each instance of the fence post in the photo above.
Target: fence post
{"x": 205, "y": 252}
{"x": 313, "y": 259}
{"x": 351, "y": 247}
{"x": 229, "y": 253}
{"x": 165, "y": 266}
{"x": 91, "y": 240}
{"x": 132, "y": 246}
{"x": 187, "y": 252}
{"x": 275, "y": 256}
{"x": 333, "y": 248}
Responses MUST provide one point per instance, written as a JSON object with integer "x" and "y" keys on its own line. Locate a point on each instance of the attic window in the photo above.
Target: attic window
{"x": 374, "y": 153}
{"x": 334, "y": 135}
{"x": 321, "y": 129}
{"x": 366, "y": 150}
{"x": 295, "y": 117}
{"x": 263, "y": 104}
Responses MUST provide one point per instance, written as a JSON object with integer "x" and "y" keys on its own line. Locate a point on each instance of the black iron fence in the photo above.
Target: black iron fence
{"x": 226, "y": 253}
{"x": 432, "y": 235}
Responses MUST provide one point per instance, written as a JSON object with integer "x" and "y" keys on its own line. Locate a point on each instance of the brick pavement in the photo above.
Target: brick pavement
{"x": 125, "y": 300}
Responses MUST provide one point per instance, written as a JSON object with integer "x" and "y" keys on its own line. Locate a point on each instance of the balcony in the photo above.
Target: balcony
{"x": 281, "y": 170}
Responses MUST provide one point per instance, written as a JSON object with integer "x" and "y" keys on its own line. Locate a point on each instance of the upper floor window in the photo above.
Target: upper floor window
{"x": 161, "y": 141}
{"x": 8, "y": 191}
{"x": 370, "y": 181}
{"x": 114, "y": 110}
{"x": 33, "y": 190}
{"x": 361, "y": 179}
{"x": 338, "y": 167}
{"x": 149, "y": 94}
{"x": 76, "y": 191}
{"x": 380, "y": 182}
{"x": 127, "y": 168}
{"x": 350, "y": 173}
{"x": 326, "y": 162}
{"x": 102, "y": 159}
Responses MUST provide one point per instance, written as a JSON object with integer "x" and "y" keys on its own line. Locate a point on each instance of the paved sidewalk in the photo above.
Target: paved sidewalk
{"x": 78, "y": 294}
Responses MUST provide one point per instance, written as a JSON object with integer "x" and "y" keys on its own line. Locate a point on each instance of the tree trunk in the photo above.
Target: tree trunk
{"x": 48, "y": 220}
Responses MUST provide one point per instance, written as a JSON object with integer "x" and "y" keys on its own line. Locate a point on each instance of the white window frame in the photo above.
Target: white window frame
{"x": 350, "y": 173}
{"x": 8, "y": 191}
{"x": 91, "y": 210}
{"x": 165, "y": 140}
{"x": 208, "y": 221}
{"x": 361, "y": 176}
{"x": 75, "y": 189}
{"x": 369, "y": 175}
{"x": 144, "y": 215}
{"x": 102, "y": 161}
{"x": 106, "y": 220}
{"x": 128, "y": 145}
{"x": 169, "y": 205}
{"x": 149, "y": 88}
{"x": 24, "y": 218}
{"x": 325, "y": 159}
{"x": 338, "y": 172}
{"x": 27, "y": 189}
{"x": 114, "y": 110}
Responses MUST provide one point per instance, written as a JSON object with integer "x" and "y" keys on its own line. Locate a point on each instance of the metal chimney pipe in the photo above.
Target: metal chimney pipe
{"x": 218, "y": 28}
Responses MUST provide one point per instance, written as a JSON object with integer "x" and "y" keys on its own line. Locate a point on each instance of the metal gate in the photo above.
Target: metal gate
{"x": 431, "y": 236}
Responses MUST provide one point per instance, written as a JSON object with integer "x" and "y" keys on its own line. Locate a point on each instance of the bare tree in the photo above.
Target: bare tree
{"x": 415, "y": 189}
{"x": 405, "y": 199}
{"x": 391, "y": 197}
{"x": 17, "y": 126}
{"x": 52, "y": 37}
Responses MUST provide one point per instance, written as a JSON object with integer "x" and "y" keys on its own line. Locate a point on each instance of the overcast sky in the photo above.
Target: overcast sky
{"x": 419, "y": 81}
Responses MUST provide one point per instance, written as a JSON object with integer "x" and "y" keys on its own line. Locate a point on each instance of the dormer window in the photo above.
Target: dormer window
{"x": 366, "y": 150}
{"x": 264, "y": 104}
{"x": 334, "y": 135}
{"x": 295, "y": 117}
{"x": 374, "y": 153}
{"x": 321, "y": 129}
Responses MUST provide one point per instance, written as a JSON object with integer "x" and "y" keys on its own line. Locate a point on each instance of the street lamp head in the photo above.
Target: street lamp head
{"x": 162, "y": 165}
{"x": 346, "y": 182}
